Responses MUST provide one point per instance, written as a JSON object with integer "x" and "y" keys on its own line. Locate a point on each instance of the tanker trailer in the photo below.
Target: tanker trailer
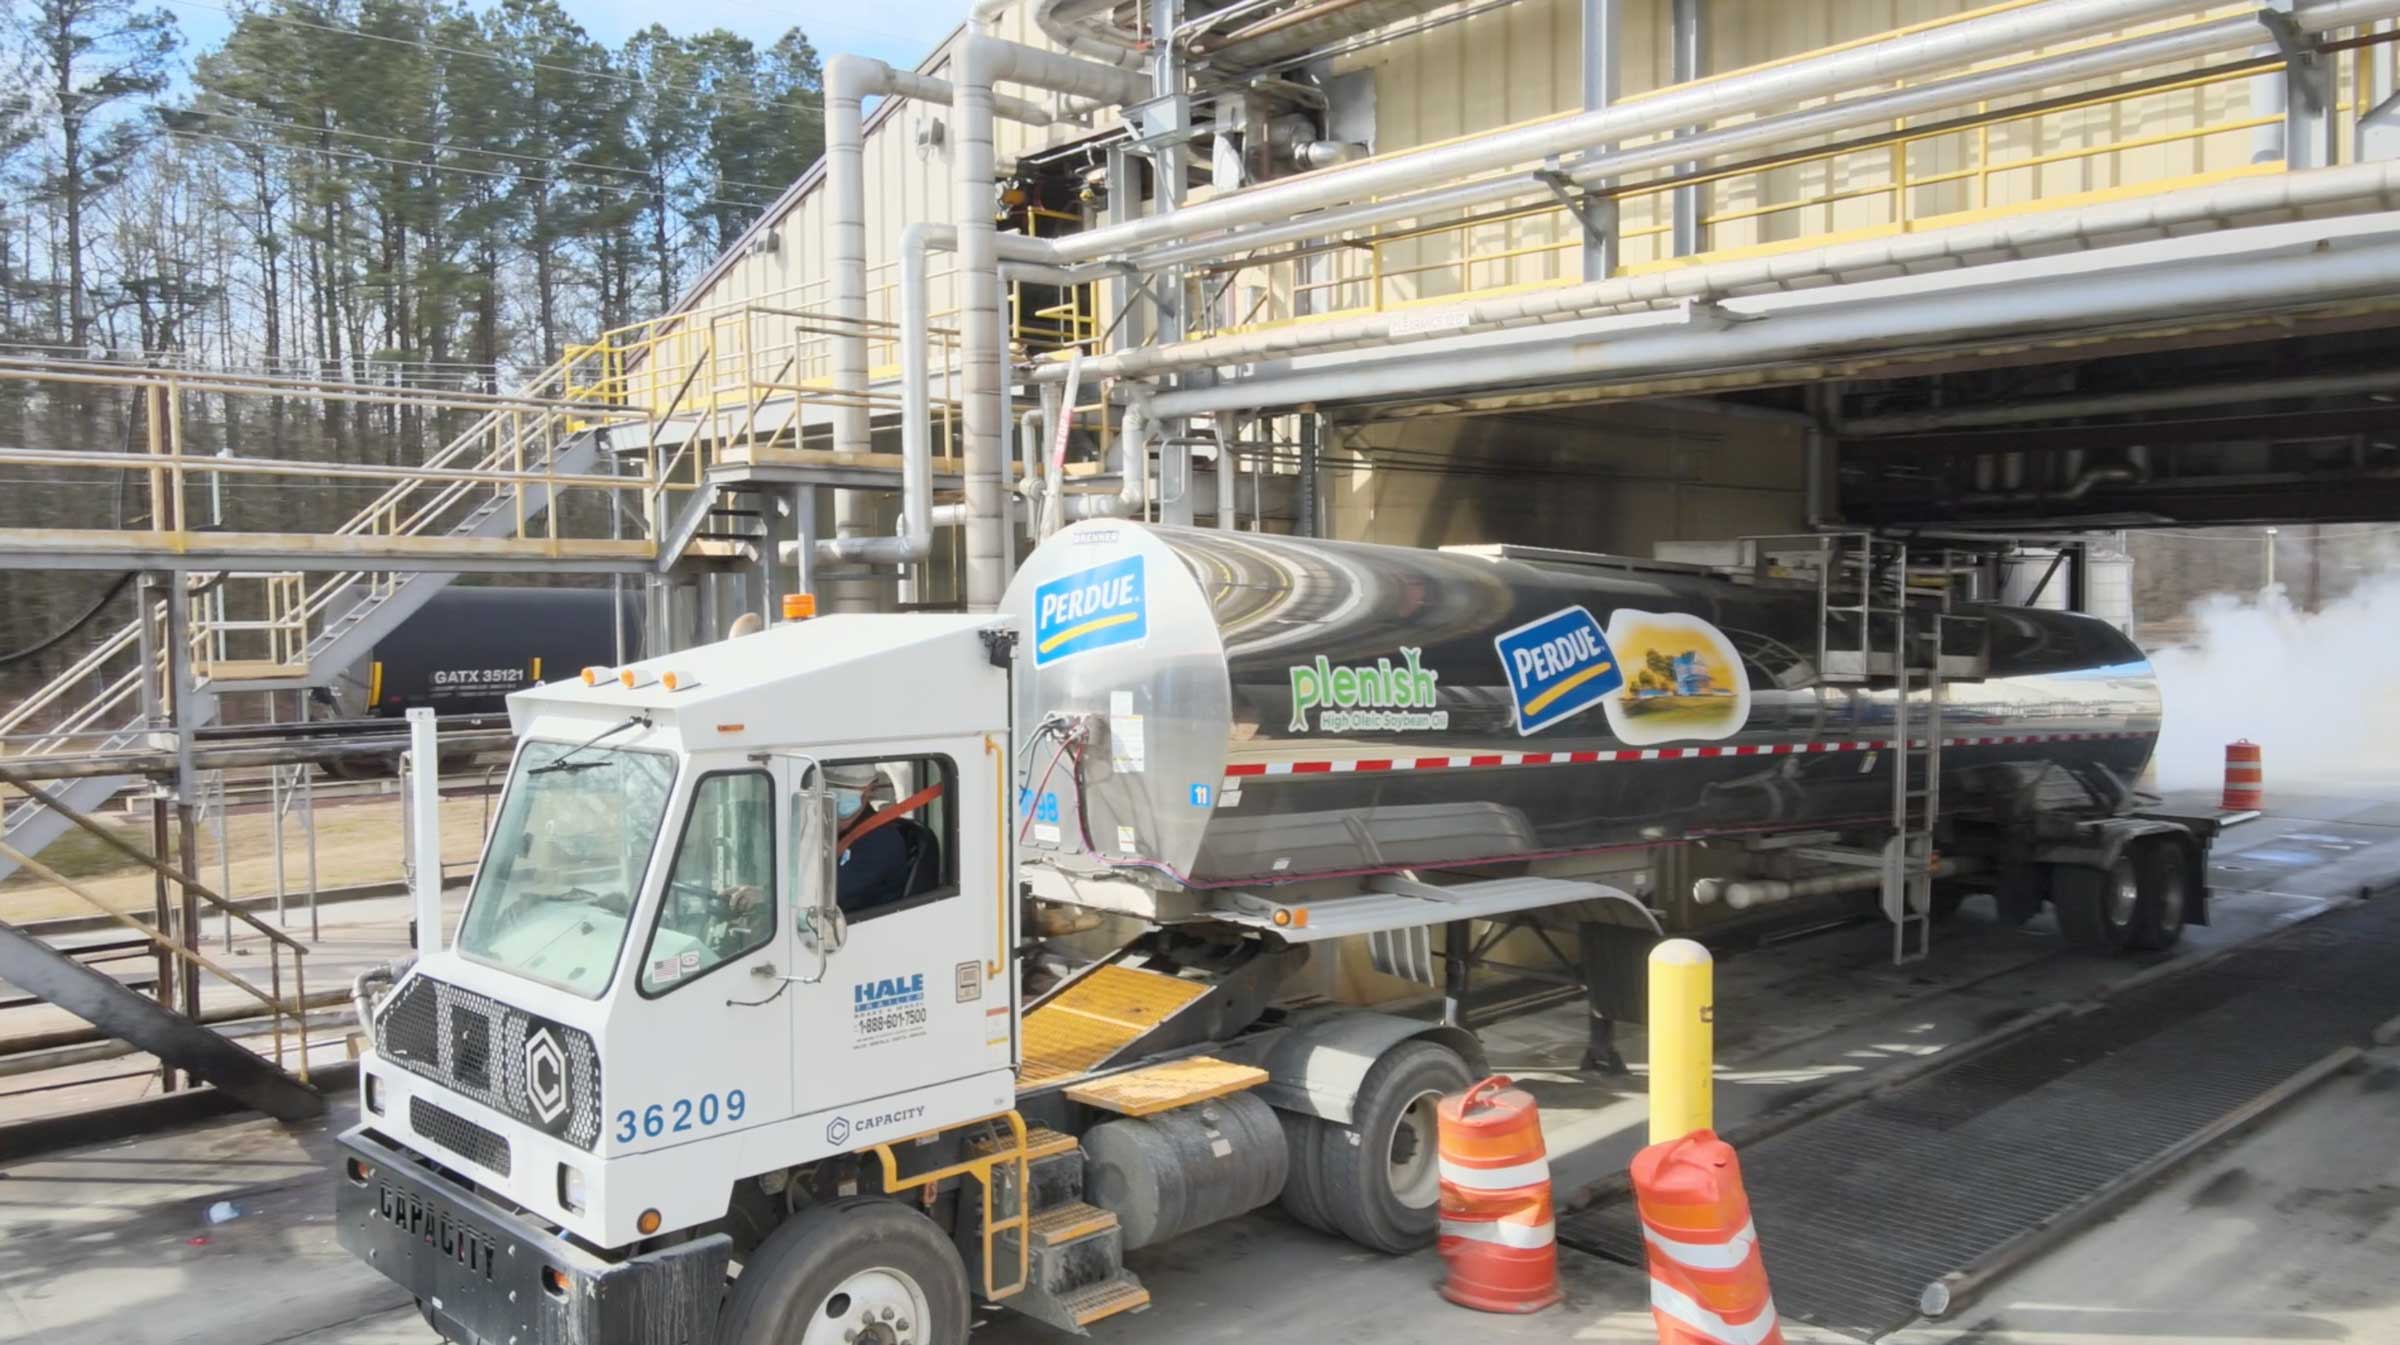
{"x": 1312, "y": 738}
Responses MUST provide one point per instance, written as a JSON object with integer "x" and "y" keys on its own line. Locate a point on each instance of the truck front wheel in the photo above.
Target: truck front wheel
{"x": 859, "y": 1272}
{"x": 1382, "y": 1185}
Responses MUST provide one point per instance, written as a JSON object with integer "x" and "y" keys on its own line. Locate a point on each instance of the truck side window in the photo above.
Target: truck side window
{"x": 720, "y": 897}
{"x": 897, "y": 835}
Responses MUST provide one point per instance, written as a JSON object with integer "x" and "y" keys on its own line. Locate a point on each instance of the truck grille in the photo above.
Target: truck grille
{"x": 528, "y": 1068}
{"x": 449, "y": 1130}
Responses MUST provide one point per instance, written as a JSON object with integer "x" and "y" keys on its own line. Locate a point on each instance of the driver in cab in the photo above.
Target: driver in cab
{"x": 873, "y": 868}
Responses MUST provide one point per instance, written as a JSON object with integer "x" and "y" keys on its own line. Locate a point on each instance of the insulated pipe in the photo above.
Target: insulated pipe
{"x": 1029, "y": 454}
{"x": 1079, "y": 27}
{"x": 2274, "y": 281}
{"x": 982, "y": 62}
{"x": 2027, "y": 29}
{"x": 1743, "y": 893}
{"x": 2125, "y": 403}
{"x": 1597, "y": 170}
{"x": 2352, "y": 189}
{"x": 913, "y": 542}
{"x": 849, "y": 80}
{"x": 1133, "y": 490}
{"x": 1228, "y": 508}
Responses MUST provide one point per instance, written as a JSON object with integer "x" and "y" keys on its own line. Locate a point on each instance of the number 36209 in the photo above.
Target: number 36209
{"x": 681, "y": 1115}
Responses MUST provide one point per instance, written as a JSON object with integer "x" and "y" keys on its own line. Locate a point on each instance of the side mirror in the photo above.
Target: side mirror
{"x": 816, "y": 891}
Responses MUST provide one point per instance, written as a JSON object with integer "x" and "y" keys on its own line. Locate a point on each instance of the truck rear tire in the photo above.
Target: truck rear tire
{"x": 1382, "y": 1187}
{"x": 2159, "y": 867}
{"x": 869, "y": 1267}
{"x": 1303, "y": 1195}
{"x": 2096, "y": 907}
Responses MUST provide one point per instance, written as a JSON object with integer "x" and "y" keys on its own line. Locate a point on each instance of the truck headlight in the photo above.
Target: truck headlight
{"x": 374, "y": 1091}
{"x": 571, "y": 1193}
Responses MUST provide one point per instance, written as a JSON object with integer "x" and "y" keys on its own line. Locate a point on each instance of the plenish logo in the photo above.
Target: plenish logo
{"x": 1558, "y": 667}
{"x": 1384, "y": 697}
{"x": 1090, "y": 609}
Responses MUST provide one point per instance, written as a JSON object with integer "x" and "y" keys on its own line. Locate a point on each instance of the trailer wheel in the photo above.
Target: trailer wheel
{"x": 865, "y": 1271}
{"x": 1304, "y": 1179}
{"x": 2164, "y": 889}
{"x": 2096, "y": 907}
{"x": 1382, "y": 1186}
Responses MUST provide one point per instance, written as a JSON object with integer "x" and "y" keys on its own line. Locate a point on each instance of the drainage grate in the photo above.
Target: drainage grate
{"x": 1860, "y": 1209}
{"x": 459, "y": 1135}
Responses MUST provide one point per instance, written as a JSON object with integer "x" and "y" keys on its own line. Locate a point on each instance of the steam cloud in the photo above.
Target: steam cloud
{"x": 2319, "y": 692}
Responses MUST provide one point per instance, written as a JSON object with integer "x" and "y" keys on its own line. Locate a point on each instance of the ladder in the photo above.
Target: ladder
{"x": 1916, "y": 663}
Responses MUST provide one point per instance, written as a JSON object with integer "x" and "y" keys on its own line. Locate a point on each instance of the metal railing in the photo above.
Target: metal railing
{"x": 2160, "y": 130}
{"x": 186, "y": 953}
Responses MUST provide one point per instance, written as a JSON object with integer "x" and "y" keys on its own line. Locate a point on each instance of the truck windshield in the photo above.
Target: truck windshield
{"x": 565, "y": 862}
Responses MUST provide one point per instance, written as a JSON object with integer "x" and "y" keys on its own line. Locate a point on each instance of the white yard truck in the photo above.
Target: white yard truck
{"x": 736, "y": 1040}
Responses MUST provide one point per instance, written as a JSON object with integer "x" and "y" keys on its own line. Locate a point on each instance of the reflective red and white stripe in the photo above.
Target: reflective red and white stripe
{"x": 1530, "y": 1224}
{"x": 1245, "y": 770}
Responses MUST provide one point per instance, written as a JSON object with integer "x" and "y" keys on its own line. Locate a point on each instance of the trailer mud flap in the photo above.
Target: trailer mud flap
{"x": 486, "y": 1276}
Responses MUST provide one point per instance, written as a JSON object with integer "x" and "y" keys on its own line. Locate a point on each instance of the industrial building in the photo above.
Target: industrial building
{"x": 1821, "y": 355}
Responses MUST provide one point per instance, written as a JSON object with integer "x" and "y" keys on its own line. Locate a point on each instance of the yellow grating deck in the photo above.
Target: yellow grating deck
{"x": 1097, "y": 1017}
{"x": 1177, "y": 1083}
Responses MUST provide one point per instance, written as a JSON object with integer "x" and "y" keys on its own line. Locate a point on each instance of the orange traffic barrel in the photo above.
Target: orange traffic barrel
{"x": 1707, "y": 1283}
{"x": 2245, "y": 777}
{"x": 1499, "y": 1243}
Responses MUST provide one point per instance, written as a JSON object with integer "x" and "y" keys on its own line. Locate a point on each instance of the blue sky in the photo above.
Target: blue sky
{"x": 899, "y": 31}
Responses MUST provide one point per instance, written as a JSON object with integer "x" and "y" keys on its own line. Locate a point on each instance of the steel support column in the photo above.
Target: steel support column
{"x": 1603, "y": 45}
{"x": 1687, "y": 58}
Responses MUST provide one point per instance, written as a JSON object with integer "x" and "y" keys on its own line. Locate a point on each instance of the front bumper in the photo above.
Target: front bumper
{"x": 481, "y": 1270}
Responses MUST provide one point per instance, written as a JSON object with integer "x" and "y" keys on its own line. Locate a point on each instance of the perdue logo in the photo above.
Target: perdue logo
{"x": 1558, "y": 666}
{"x": 1090, "y": 609}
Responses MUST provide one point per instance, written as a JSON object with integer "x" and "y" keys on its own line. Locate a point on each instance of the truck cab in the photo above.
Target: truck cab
{"x": 665, "y": 983}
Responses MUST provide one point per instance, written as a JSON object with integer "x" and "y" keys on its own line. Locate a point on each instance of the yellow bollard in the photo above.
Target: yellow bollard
{"x": 1683, "y": 1048}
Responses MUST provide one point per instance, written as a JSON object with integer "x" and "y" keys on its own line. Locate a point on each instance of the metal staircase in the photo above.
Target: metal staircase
{"x": 331, "y": 624}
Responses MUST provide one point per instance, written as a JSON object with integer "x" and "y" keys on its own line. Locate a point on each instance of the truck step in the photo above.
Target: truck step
{"x": 1040, "y": 1142}
{"x": 1106, "y": 1299}
{"x": 1070, "y": 1223}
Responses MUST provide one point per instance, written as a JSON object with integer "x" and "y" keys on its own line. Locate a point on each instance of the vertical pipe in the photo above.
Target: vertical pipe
{"x": 425, "y": 818}
{"x": 1229, "y": 428}
{"x": 1312, "y": 429}
{"x": 1687, "y": 61}
{"x": 846, "y": 244}
{"x": 162, "y": 919}
{"x": 188, "y": 853}
{"x": 804, "y": 539}
{"x": 1603, "y": 41}
{"x": 978, "y": 279}
{"x": 1682, "y": 1040}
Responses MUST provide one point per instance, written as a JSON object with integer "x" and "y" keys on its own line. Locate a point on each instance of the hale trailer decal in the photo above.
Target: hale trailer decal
{"x": 1090, "y": 609}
